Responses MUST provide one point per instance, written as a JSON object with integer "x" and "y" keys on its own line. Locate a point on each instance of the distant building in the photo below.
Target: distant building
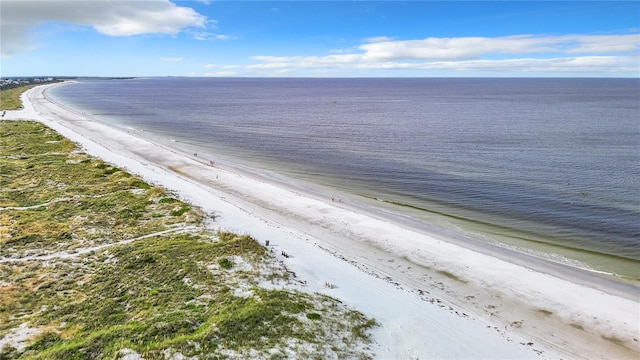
{"x": 15, "y": 82}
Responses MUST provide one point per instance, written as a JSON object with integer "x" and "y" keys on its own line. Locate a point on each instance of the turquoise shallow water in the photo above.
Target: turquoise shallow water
{"x": 551, "y": 165}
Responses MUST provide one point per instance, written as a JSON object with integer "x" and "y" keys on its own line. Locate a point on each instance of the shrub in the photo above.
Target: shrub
{"x": 313, "y": 316}
{"x": 140, "y": 184}
{"x": 225, "y": 263}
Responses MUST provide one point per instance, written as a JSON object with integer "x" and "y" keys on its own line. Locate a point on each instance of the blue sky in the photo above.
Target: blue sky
{"x": 320, "y": 38}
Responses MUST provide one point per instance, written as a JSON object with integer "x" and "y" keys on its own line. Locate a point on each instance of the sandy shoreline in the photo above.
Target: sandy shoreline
{"x": 435, "y": 295}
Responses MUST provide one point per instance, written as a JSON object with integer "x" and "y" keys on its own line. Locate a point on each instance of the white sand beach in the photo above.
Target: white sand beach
{"x": 435, "y": 294}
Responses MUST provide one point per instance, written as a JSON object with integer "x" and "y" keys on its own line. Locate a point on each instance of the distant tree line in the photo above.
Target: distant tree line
{"x": 13, "y": 82}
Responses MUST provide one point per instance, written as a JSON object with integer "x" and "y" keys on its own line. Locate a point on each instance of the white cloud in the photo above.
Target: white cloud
{"x": 568, "y": 64}
{"x": 172, "y": 59}
{"x": 207, "y": 34}
{"x": 517, "y": 54}
{"x": 377, "y": 39}
{"x": 605, "y": 43}
{"x": 464, "y": 48}
{"x": 113, "y": 18}
{"x": 204, "y": 35}
{"x": 221, "y": 74}
{"x": 271, "y": 62}
{"x": 214, "y": 66}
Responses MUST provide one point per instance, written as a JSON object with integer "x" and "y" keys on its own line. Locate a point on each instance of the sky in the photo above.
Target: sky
{"x": 320, "y": 38}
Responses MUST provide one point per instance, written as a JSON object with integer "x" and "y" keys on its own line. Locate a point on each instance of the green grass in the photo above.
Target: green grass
{"x": 10, "y": 98}
{"x": 225, "y": 263}
{"x": 120, "y": 287}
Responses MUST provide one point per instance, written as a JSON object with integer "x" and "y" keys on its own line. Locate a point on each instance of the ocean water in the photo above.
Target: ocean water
{"x": 550, "y": 166}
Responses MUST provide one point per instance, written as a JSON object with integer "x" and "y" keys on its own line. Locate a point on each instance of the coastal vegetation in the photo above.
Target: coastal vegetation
{"x": 97, "y": 263}
{"x": 10, "y": 97}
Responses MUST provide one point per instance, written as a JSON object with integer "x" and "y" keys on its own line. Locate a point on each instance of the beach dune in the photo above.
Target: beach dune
{"x": 434, "y": 293}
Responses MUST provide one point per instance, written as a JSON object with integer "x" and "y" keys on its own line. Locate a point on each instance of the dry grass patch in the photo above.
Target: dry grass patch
{"x": 10, "y": 98}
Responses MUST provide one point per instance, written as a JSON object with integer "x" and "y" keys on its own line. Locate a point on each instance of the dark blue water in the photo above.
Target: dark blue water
{"x": 547, "y": 164}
